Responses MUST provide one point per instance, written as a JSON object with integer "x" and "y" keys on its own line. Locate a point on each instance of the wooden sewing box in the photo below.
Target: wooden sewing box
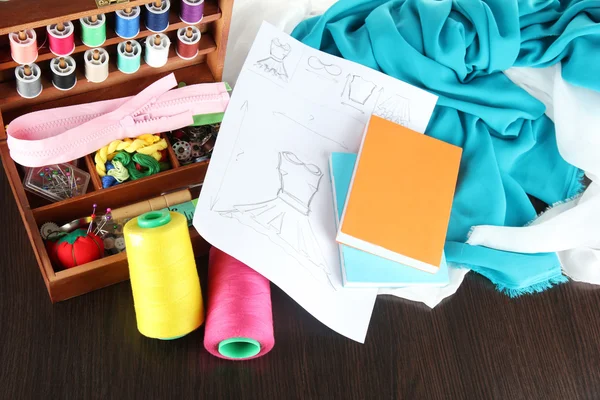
{"x": 206, "y": 67}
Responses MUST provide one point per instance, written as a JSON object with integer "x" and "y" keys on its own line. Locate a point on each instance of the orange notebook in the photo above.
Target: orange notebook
{"x": 401, "y": 195}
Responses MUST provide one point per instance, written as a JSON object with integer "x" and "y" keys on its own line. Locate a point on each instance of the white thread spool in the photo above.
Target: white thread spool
{"x": 157, "y": 50}
{"x": 63, "y": 70}
{"x": 96, "y": 65}
{"x": 29, "y": 82}
{"x": 23, "y": 46}
{"x": 61, "y": 35}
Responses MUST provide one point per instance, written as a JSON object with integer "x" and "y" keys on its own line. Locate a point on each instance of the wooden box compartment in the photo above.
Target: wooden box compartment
{"x": 206, "y": 67}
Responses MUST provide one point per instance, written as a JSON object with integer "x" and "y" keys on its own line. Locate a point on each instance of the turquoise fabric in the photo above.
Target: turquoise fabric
{"x": 457, "y": 50}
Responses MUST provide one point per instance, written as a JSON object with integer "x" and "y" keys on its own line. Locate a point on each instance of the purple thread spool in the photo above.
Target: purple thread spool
{"x": 192, "y": 11}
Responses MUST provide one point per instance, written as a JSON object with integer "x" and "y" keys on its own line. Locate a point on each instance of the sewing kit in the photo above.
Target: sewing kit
{"x": 67, "y": 67}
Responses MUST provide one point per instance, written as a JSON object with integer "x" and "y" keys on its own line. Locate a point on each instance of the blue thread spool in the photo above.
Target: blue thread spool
{"x": 157, "y": 16}
{"x": 127, "y": 22}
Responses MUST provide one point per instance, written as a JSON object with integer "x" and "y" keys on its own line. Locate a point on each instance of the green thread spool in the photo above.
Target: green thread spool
{"x": 129, "y": 56}
{"x": 93, "y": 30}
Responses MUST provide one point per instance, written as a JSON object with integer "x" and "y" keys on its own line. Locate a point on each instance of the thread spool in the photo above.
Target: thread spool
{"x": 192, "y": 11}
{"x": 239, "y": 318}
{"x": 29, "y": 82}
{"x": 157, "y": 50}
{"x": 93, "y": 30}
{"x": 61, "y": 38}
{"x": 129, "y": 56}
{"x": 96, "y": 65}
{"x": 127, "y": 22}
{"x": 63, "y": 72}
{"x": 164, "y": 280}
{"x": 188, "y": 42}
{"x": 23, "y": 46}
{"x": 157, "y": 15}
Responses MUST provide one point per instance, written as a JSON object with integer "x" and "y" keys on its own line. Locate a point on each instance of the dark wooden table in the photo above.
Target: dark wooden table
{"x": 478, "y": 344}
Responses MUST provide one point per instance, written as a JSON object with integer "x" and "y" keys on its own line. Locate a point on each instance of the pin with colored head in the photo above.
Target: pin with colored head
{"x": 100, "y": 231}
{"x": 93, "y": 217}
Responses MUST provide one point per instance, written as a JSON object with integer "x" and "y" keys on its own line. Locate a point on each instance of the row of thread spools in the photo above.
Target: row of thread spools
{"x": 24, "y": 47}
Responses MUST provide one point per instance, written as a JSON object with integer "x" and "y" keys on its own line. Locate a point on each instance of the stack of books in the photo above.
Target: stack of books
{"x": 393, "y": 203}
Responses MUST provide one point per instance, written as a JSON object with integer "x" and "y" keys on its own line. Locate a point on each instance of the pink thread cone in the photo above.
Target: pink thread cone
{"x": 239, "y": 317}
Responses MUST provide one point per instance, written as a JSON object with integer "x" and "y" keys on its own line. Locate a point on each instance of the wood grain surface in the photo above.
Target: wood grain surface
{"x": 477, "y": 344}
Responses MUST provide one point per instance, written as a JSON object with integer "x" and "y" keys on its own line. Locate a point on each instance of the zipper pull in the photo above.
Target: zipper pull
{"x": 127, "y": 121}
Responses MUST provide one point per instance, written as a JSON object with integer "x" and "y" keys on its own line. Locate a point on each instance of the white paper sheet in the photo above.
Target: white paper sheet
{"x": 267, "y": 198}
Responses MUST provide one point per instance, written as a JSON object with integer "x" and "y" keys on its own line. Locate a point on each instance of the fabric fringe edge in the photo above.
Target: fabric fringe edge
{"x": 535, "y": 288}
{"x": 517, "y": 292}
{"x": 578, "y": 185}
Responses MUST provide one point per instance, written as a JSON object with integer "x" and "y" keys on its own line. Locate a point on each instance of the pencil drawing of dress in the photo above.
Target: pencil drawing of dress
{"x": 273, "y": 65}
{"x": 285, "y": 216}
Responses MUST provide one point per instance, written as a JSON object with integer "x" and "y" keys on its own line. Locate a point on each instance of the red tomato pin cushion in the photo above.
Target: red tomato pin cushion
{"x": 77, "y": 248}
{"x": 51, "y": 249}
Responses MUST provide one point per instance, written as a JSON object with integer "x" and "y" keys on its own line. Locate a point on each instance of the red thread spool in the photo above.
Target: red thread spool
{"x": 61, "y": 37}
{"x": 188, "y": 42}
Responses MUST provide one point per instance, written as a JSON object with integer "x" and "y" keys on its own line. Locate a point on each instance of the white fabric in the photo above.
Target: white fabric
{"x": 431, "y": 296}
{"x": 572, "y": 229}
{"x": 285, "y": 15}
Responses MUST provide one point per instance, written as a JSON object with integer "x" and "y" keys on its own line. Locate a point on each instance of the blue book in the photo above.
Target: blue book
{"x": 362, "y": 269}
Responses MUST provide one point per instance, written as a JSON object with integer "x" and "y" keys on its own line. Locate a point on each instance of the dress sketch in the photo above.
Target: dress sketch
{"x": 285, "y": 217}
{"x": 274, "y": 65}
{"x": 395, "y": 109}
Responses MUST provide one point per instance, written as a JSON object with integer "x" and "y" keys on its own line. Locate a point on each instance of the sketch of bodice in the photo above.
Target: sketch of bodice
{"x": 359, "y": 89}
{"x": 279, "y": 50}
{"x": 299, "y": 181}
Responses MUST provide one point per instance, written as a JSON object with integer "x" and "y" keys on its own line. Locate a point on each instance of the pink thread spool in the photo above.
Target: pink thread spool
{"x": 23, "y": 46}
{"x": 239, "y": 319}
{"x": 61, "y": 38}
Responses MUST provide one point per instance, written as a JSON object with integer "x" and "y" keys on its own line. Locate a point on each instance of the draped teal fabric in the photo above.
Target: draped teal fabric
{"x": 457, "y": 50}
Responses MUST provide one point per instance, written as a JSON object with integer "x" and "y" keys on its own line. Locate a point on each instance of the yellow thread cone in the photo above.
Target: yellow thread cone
{"x": 164, "y": 280}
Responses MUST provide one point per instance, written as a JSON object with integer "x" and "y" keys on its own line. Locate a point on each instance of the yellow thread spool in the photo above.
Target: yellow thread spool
{"x": 164, "y": 280}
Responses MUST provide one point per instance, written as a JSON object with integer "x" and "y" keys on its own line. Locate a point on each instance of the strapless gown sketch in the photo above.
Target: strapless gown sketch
{"x": 284, "y": 218}
{"x": 274, "y": 65}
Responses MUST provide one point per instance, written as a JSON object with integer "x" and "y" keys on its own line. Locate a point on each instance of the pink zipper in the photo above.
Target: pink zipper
{"x": 63, "y": 134}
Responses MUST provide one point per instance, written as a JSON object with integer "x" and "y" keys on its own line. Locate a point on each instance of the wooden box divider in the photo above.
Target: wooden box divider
{"x": 172, "y": 157}
{"x": 35, "y": 211}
